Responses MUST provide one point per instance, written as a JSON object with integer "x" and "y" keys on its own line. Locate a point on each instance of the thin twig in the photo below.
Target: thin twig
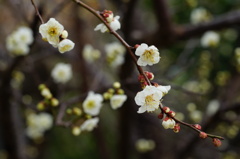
{"x": 37, "y": 12}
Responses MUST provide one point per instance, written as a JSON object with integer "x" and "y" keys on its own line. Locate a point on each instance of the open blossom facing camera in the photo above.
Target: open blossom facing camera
{"x": 148, "y": 99}
{"x": 54, "y": 33}
{"x": 89, "y": 124}
{"x": 115, "y": 54}
{"x": 210, "y": 39}
{"x": 93, "y": 103}
{"x": 148, "y": 55}
{"x": 117, "y": 100}
{"x": 18, "y": 42}
{"x": 111, "y": 20}
{"x": 62, "y": 73}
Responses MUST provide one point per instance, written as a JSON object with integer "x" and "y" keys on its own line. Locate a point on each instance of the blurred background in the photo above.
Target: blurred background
{"x": 199, "y": 45}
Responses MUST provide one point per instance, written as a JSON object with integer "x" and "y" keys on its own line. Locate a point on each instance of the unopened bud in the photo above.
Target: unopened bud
{"x": 111, "y": 90}
{"x": 77, "y": 111}
{"x": 177, "y": 128}
{"x": 41, "y": 86}
{"x": 64, "y": 34}
{"x": 116, "y": 85}
{"x": 171, "y": 113}
{"x": 76, "y": 131}
{"x": 217, "y": 142}
{"x": 203, "y": 135}
{"x": 40, "y": 106}
{"x": 149, "y": 75}
{"x": 136, "y": 46}
{"x": 107, "y": 95}
{"x": 69, "y": 111}
{"x": 160, "y": 115}
{"x": 120, "y": 91}
{"x": 166, "y": 109}
{"x": 54, "y": 102}
{"x": 45, "y": 92}
{"x": 197, "y": 126}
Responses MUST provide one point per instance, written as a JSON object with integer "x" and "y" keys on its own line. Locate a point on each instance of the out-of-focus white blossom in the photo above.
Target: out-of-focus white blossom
{"x": 200, "y": 15}
{"x": 148, "y": 99}
{"x": 62, "y": 73}
{"x": 144, "y": 145}
{"x": 65, "y": 45}
{"x": 93, "y": 103}
{"x": 89, "y": 124}
{"x": 117, "y": 100}
{"x": 90, "y": 54}
{"x": 115, "y": 54}
{"x": 18, "y": 42}
{"x": 113, "y": 23}
{"x": 168, "y": 123}
{"x": 210, "y": 39}
{"x": 212, "y": 107}
{"x": 196, "y": 116}
{"x": 37, "y": 124}
{"x": 76, "y": 131}
{"x": 51, "y": 31}
{"x": 148, "y": 55}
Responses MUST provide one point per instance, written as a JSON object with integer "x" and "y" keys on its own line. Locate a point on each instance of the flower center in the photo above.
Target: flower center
{"x": 148, "y": 55}
{"x": 52, "y": 31}
{"x": 149, "y": 100}
{"x": 91, "y": 104}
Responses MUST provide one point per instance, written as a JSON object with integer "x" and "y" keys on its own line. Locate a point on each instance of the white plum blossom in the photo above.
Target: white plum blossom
{"x": 90, "y": 54}
{"x": 65, "y": 45}
{"x": 200, "y": 15}
{"x": 17, "y": 43}
{"x": 113, "y": 23}
{"x": 51, "y": 31}
{"x": 93, "y": 103}
{"x": 89, "y": 124}
{"x": 168, "y": 123}
{"x": 148, "y": 55}
{"x": 164, "y": 89}
{"x": 210, "y": 39}
{"x": 115, "y": 54}
{"x": 213, "y": 107}
{"x": 148, "y": 99}
{"x": 117, "y": 100}
{"x": 61, "y": 73}
{"x": 37, "y": 124}
{"x": 144, "y": 145}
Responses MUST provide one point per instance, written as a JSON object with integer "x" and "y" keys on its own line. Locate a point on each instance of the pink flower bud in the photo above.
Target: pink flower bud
{"x": 136, "y": 46}
{"x": 203, "y": 135}
{"x": 160, "y": 116}
{"x": 177, "y": 128}
{"x": 217, "y": 142}
{"x": 149, "y": 75}
{"x": 166, "y": 109}
{"x": 171, "y": 113}
{"x": 197, "y": 126}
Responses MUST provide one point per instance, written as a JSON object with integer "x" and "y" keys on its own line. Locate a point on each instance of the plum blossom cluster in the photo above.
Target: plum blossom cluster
{"x": 38, "y": 124}
{"x": 18, "y": 42}
{"x": 115, "y": 95}
{"x": 61, "y": 73}
{"x": 112, "y": 21}
{"x": 49, "y": 100}
{"x": 54, "y": 33}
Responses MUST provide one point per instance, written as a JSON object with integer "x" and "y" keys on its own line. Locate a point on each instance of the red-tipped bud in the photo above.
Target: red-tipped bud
{"x": 149, "y": 75}
{"x": 197, "y": 126}
{"x": 155, "y": 84}
{"x": 171, "y": 113}
{"x": 136, "y": 46}
{"x": 177, "y": 128}
{"x": 166, "y": 109}
{"x": 144, "y": 84}
{"x": 217, "y": 142}
{"x": 160, "y": 115}
{"x": 141, "y": 78}
{"x": 202, "y": 135}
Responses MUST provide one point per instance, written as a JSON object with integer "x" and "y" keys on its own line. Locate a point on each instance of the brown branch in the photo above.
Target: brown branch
{"x": 224, "y": 21}
{"x": 37, "y": 12}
